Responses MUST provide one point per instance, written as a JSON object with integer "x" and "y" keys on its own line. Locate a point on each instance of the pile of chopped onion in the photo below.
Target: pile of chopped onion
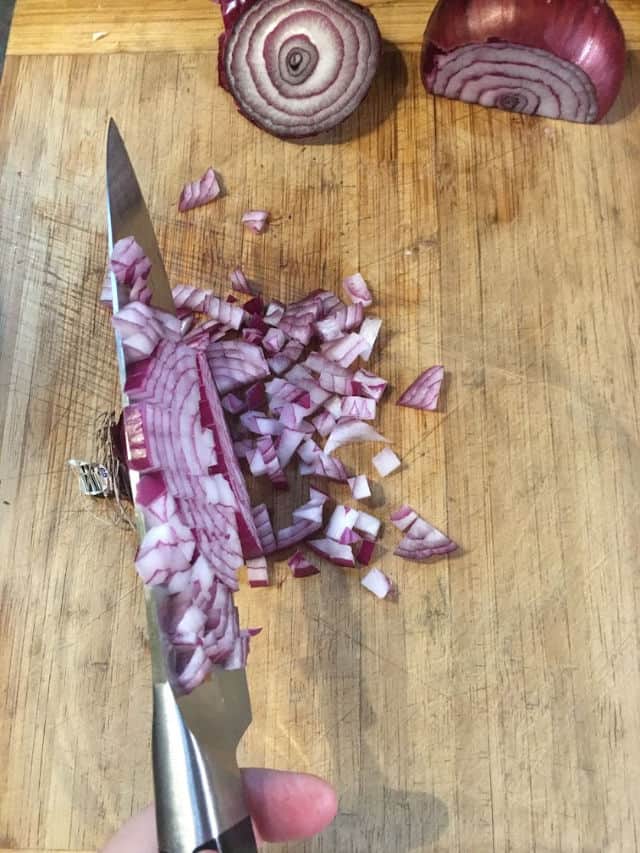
{"x": 277, "y": 389}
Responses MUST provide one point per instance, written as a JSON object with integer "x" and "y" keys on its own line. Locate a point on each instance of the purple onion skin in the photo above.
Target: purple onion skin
{"x": 586, "y": 33}
{"x": 231, "y": 14}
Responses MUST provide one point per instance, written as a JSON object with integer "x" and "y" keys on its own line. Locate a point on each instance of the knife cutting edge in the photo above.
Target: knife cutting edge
{"x": 199, "y": 797}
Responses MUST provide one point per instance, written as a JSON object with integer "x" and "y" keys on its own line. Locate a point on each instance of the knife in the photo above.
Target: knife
{"x": 199, "y": 797}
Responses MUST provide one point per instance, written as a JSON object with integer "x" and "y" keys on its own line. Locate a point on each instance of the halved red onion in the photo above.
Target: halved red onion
{"x": 297, "y": 68}
{"x": 357, "y": 289}
{"x": 385, "y": 462}
{"x": 340, "y": 555}
{"x": 350, "y": 431}
{"x": 563, "y": 59}
{"x": 255, "y": 220}
{"x": 378, "y": 583}
{"x": 422, "y": 540}
{"x": 424, "y": 392}
{"x": 359, "y": 487}
{"x": 301, "y": 567}
{"x": 197, "y": 193}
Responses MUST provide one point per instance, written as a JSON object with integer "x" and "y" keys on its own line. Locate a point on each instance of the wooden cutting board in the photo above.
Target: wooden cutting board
{"x": 496, "y": 706}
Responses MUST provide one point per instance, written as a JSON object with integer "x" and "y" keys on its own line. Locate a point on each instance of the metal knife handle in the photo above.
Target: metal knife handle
{"x": 198, "y": 788}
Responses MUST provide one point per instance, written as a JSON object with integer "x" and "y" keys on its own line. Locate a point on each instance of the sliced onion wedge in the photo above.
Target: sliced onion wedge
{"x": 424, "y": 392}
{"x": 301, "y": 567}
{"x": 197, "y": 193}
{"x": 422, "y": 541}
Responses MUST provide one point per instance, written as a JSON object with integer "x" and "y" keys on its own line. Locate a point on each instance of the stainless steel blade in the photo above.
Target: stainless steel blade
{"x": 198, "y": 788}
{"x": 128, "y": 216}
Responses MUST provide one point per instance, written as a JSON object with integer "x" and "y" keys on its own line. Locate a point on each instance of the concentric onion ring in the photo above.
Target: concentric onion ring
{"x": 297, "y": 68}
{"x": 560, "y": 60}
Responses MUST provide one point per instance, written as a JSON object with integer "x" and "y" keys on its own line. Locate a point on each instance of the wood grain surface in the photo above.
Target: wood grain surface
{"x": 496, "y": 706}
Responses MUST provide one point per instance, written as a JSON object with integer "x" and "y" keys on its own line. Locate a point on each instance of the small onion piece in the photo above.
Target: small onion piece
{"x": 241, "y": 284}
{"x": 335, "y": 552}
{"x": 297, "y": 68}
{"x": 359, "y": 487}
{"x": 424, "y": 392}
{"x": 301, "y": 567}
{"x": 563, "y": 59}
{"x": 255, "y": 220}
{"x": 357, "y": 289}
{"x": 350, "y": 431}
{"x": 257, "y": 572}
{"x": 379, "y": 584}
{"x": 197, "y": 193}
{"x": 386, "y": 461}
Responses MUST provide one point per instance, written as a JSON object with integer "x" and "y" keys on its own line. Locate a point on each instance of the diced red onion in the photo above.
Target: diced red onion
{"x": 265, "y": 530}
{"x": 422, "y": 540}
{"x": 255, "y": 306}
{"x": 297, "y": 532}
{"x": 257, "y": 572}
{"x": 233, "y": 404}
{"x": 273, "y": 313}
{"x": 252, "y": 336}
{"x": 129, "y": 262}
{"x": 367, "y": 524}
{"x": 378, "y": 583}
{"x": 357, "y": 290}
{"x": 340, "y": 555}
{"x": 361, "y": 408}
{"x": 404, "y": 517}
{"x": 301, "y": 567}
{"x": 241, "y": 284}
{"x": 197, "y": 193}
{"x": 563, "y": 59}
{"x": 364, "y": 551}
{"x": 236, "y": 363}
{"x": 349, "y": 537}
{"x": 255, "y": 220}
{"x": 371, "y": 385}
{"x": 423, "y": 393}
{"x": 343, "y": 517}
{"x": 279, "y": 364}
{"x": 359, "y": 487}
{"x": 334, "y": 406}
{"x": 369, "y": 331}
{"x": 386, "y": 461}
{"x": 300, "y": 67}
{"x": 324, "y": 422}
{"x": 343, "y": 319}
{"x": 260, "y": 424}
{"x": 345, "y": 350}
{"x": 351, "y": 431}
{"x": 256, "y": 396}
{"x": 274, "y": 340}
{"x": 287, "y": 444}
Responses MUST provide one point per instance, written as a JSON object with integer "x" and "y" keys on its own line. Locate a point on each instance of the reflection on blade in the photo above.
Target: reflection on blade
{"x": 127, "y": 216}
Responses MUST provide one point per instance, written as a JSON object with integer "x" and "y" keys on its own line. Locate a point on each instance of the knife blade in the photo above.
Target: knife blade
{"x": 198, "y": 787}
{"x": 127, "y": 216}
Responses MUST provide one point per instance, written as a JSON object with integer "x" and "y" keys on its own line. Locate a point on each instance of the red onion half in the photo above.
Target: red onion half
{"x": 562, "y": 59}
{"x": 297, "y": 68}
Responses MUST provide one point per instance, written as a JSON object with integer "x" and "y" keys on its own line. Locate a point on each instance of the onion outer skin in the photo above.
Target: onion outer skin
{"x": 233, "y": 14}
{"x": 585, "y": 33}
